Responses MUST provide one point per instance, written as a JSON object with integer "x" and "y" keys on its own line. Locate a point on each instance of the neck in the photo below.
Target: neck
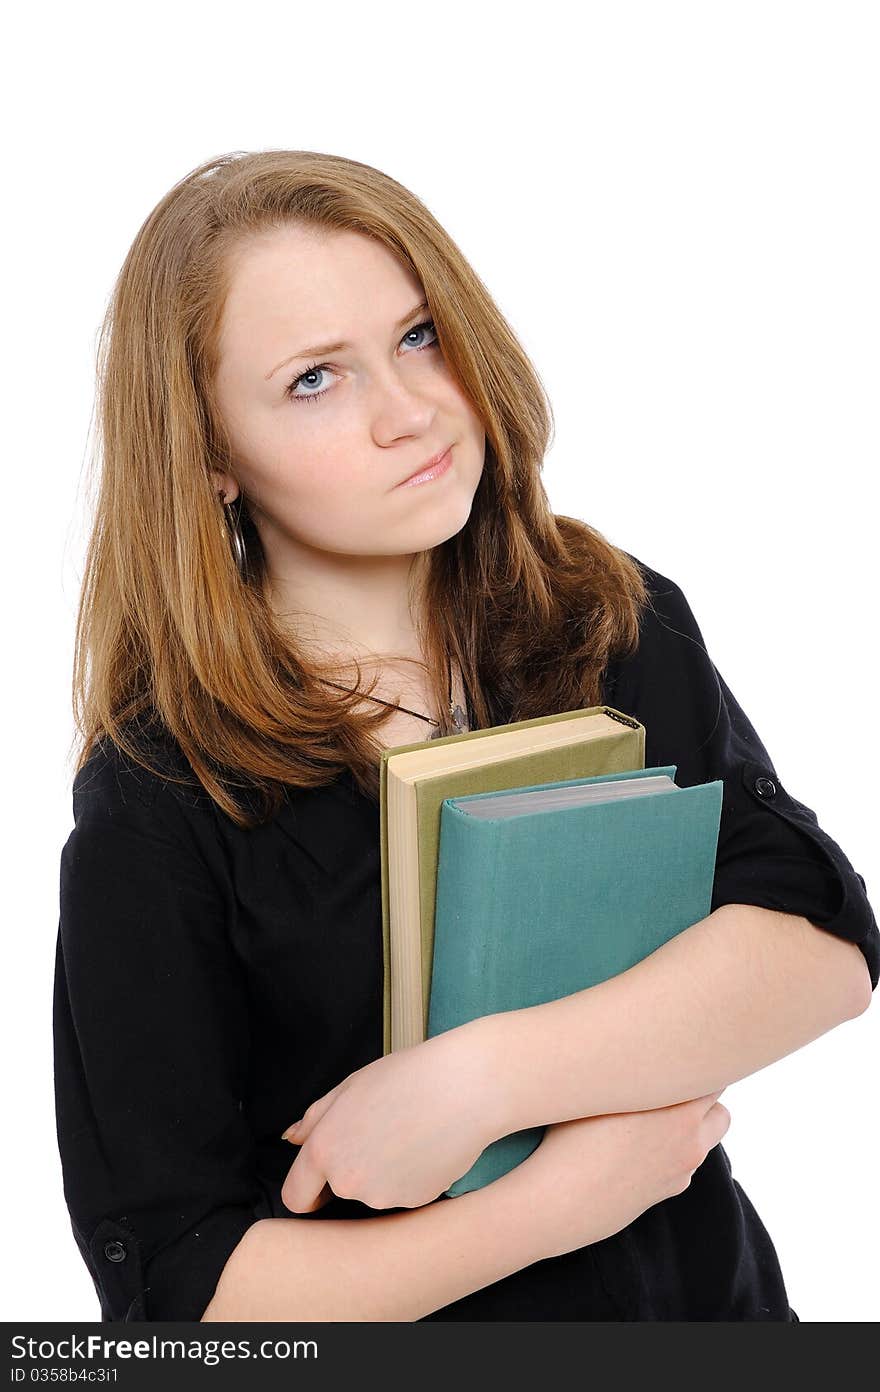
{"x": 343, "y": 608}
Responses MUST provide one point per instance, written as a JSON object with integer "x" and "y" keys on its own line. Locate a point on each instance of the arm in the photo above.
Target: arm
{"x": 396, "y": 1266}
{"x": 724, "y": 998}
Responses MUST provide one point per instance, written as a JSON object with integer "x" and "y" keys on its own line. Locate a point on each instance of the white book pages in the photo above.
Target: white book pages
{"x": 513, "y": 804}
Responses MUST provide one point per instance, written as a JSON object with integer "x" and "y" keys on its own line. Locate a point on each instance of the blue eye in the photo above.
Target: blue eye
{"x": 322, "y": 367}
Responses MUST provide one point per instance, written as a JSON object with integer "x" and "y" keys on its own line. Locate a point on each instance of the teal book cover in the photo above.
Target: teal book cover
{"x": 538, "y": 905}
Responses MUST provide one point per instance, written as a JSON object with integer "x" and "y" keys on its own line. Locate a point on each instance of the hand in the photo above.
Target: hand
{"x": 398, "y": 1132}
{"x": 592, "y": 1176}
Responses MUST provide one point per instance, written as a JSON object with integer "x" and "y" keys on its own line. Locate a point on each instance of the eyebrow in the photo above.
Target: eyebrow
{"x": 321, "y": 349}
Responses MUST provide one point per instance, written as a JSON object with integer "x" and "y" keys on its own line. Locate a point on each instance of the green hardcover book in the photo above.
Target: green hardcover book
{"x": 552, "y": 889}
{"x": 415, "y": 779}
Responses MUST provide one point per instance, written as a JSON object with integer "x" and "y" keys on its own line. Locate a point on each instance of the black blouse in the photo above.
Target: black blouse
{"x": 211, "y": 982}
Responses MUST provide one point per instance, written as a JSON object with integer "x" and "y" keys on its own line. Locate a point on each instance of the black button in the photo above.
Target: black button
{"x": 114, "y": 1251}
{"x": 765, "y": 787}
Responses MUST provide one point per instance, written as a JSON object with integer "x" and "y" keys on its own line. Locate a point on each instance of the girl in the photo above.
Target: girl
{"x": 321, "y": 530}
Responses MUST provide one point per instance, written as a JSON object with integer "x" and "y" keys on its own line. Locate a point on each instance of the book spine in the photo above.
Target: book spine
{"x": 623, "y": 719}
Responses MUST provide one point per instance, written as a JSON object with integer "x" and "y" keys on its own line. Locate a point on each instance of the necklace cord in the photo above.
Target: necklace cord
{"x": 457, "y": 716}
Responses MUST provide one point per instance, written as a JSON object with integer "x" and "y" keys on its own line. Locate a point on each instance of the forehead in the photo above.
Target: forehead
{"x": 304, "y": 285}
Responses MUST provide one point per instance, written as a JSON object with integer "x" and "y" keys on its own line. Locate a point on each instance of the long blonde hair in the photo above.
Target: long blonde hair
{"x": 171, "y": 636}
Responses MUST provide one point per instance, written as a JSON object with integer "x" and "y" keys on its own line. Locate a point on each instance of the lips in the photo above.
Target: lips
{"x": 440, "y": 458}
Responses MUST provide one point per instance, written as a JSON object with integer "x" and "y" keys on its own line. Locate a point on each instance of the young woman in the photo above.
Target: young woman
{"x": 321, "y": 530}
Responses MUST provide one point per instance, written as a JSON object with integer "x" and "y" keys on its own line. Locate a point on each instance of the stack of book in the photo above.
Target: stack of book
{"x": 524, "y": 863}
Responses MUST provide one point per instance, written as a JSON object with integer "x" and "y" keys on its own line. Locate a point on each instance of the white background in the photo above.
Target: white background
{"x": 676, "y": 207}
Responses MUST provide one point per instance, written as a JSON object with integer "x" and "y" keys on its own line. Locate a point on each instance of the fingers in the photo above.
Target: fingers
{"x": 305, "y": 1188}
{"x": 721, "y": 1119}
{"x": 324, "y": 1197}
{"x": 716, "y": 1114}
{"x": 298, "y": 1130}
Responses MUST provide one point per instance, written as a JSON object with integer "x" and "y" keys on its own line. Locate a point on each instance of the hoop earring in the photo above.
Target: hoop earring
{"x": 233, "y": 530}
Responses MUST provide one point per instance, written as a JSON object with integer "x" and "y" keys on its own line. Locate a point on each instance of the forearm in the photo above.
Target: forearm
{"x": 726, "y": 997}
{"x": 396, "y": 1266}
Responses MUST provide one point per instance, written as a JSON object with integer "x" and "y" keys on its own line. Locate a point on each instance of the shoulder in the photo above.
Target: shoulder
{"x": 670, "y": 638}
{"x": 120, "y": 802}
{"x": 667, "y": 601}
{"x": 111, "y": 775}
{"x": 669, "y": 682}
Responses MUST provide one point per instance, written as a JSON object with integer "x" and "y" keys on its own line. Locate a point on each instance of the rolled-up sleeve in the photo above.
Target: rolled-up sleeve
{"x": 151, "y": 1032}
{"x": 772, "y": 852}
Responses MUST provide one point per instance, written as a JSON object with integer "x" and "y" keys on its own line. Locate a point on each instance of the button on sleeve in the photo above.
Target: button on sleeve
{"x": 151, "y": 1050}
{"x": 772, "y": 852}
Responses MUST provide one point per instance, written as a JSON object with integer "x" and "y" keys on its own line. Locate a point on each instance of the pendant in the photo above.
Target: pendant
{"x": 459, "y": 720}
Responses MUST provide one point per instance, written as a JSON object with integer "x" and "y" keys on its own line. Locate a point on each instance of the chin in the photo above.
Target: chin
{"x": 439, "y": 523}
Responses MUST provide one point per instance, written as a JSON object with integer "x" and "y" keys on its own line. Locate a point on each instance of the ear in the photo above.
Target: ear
{"x": 224, "y": 483}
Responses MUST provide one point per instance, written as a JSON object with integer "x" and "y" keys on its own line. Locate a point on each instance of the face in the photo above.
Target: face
{"x": 322, "y": 440}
